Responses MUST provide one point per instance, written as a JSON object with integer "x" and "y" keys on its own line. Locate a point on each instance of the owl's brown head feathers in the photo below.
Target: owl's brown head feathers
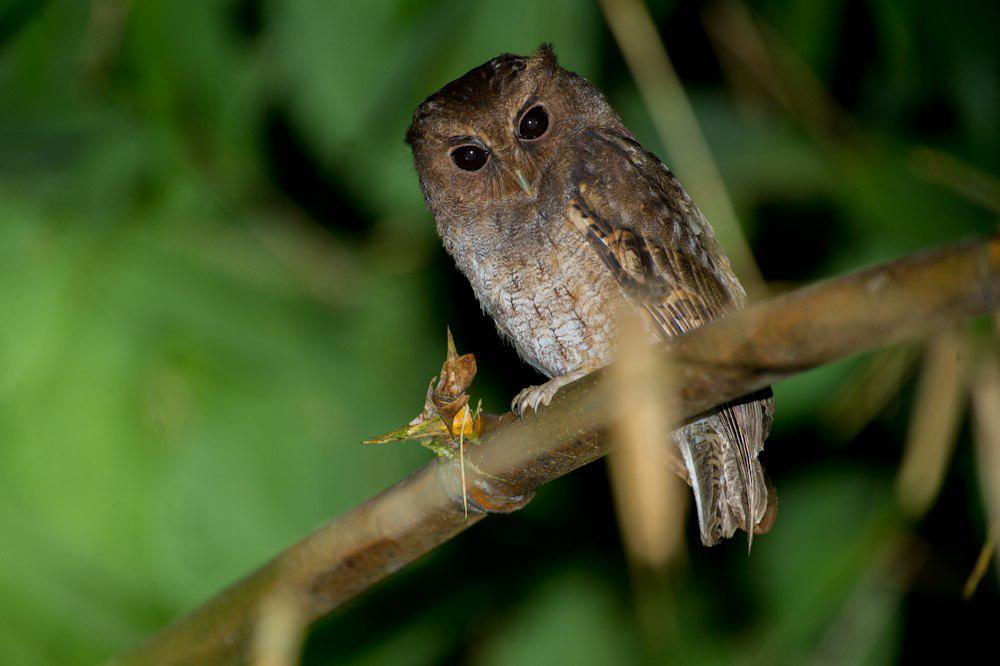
{"x": 479, "y": 89}
{"x": 486, "y": 139}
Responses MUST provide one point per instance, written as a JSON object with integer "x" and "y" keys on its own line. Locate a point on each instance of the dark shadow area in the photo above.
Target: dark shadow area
{"x": 794, "y": 238}
{"x": 297, "y": 172}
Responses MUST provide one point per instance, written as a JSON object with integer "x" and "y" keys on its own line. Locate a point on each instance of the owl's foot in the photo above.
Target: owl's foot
{"x": 533, "y": 396}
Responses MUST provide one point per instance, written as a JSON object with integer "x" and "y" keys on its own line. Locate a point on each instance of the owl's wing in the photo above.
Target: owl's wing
{"x": 646, "y": 229}
{"x": 649, "y": 234}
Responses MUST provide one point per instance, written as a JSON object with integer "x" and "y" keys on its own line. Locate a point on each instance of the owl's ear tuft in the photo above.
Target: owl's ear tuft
{"x": 546, "y": 55}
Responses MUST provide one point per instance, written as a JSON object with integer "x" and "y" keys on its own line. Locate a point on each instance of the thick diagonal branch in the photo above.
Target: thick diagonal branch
{"x": 716, "y": 363}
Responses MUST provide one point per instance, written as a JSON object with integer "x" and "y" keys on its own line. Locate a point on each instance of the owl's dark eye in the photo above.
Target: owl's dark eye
{"x": 533, "y": 123}
{"x": 469, "y": 158}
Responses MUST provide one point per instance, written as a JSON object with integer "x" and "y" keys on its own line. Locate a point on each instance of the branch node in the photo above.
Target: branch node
{"x": 484, "y": 493}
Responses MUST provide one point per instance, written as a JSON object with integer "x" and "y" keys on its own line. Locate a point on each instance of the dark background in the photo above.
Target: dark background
{"x": 217, "y": 277}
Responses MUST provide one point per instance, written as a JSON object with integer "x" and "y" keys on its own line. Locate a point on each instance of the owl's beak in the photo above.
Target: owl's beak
{"x": 522, "y": 181}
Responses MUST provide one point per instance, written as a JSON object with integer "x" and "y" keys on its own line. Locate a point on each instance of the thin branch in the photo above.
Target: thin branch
{"x": 718, "y": 362}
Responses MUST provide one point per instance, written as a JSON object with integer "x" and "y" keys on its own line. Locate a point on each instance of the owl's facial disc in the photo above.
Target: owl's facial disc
{"x": 494, "y": 137}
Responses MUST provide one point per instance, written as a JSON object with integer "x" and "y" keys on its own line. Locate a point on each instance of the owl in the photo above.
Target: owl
{"x": 558, "y": 217}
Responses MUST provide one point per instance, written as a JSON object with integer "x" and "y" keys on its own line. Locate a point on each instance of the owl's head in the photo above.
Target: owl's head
{"x": 487, "y": 139}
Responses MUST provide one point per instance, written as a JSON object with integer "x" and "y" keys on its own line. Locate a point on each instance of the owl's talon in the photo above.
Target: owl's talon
{"x": 533, "y": 396}
{"x": 519, "y": 405}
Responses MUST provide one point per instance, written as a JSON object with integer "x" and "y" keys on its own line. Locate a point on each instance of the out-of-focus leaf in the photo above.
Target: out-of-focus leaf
{"x": 933, "y": 429}
{"x": 867, "y": 393}
{"x": 650, "y": 499}
{"x": 796, "y": 398}
{"x": 832, "y": 524}
{"x": 985, "y": 391}
{"x": 573, "y": 618}
{"x": 183, "y": 391}
{"x": 865, "y": 628}
{"x": 806, "y": 27}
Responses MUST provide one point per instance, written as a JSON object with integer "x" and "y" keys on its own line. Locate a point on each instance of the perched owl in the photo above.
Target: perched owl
{"x": 557, "y": 215}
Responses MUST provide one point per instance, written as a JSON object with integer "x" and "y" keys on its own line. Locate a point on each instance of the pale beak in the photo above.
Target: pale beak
{"x": 523, "y": 182}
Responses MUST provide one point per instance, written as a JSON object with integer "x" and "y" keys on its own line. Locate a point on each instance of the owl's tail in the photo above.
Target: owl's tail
{"x": 720, "y": 453}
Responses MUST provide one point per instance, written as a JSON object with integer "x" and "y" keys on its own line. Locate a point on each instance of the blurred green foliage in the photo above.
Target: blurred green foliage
{"x": 217, "y": 277}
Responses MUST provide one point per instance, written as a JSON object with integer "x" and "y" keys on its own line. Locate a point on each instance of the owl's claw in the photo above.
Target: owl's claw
{"x": 533, "y": 396}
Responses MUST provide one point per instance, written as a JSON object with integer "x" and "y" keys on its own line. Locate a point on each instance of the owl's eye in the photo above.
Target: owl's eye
{"x": 533, "y": 123}
{"x": 469, "y": 158}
